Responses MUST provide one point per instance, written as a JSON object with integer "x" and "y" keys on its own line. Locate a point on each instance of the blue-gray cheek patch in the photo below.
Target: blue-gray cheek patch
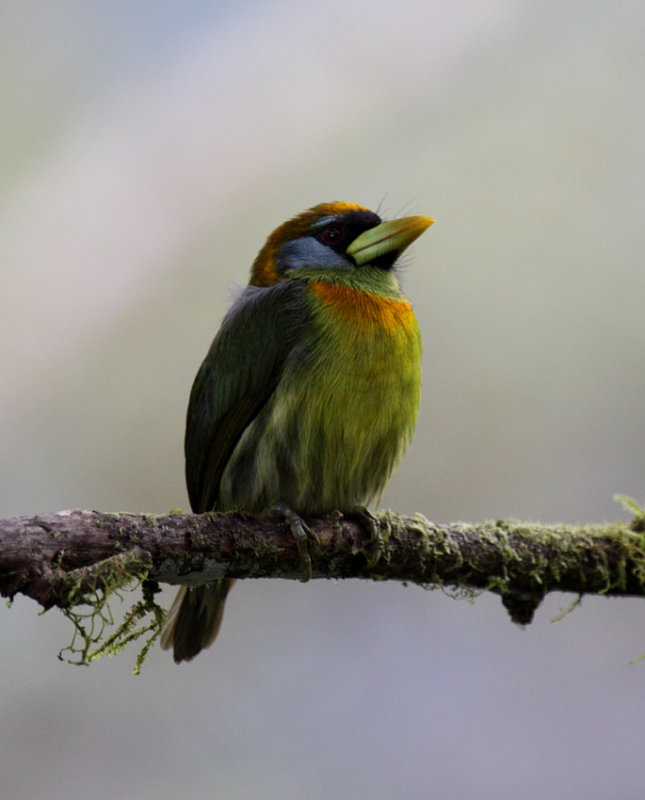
{"x": 308, "y": 252}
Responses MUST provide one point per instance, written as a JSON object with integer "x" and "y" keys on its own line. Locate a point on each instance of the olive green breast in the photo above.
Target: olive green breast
{"x": 342, "y": 413}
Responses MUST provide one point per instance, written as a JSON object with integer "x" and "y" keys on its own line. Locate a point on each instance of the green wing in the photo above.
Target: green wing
{"x": 239, "y": 374}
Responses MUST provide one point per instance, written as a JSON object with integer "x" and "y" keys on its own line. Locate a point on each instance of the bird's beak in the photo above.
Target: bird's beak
{"x": 386, "y": 238}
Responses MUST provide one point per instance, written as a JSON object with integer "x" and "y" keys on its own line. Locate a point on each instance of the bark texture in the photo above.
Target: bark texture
{"x": 57, "y": 559}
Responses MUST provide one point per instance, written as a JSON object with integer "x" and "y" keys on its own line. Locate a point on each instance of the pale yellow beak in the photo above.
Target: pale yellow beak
{"x": 387, "y": 237}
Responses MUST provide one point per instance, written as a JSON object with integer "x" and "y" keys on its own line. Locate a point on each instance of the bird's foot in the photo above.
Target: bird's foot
{"x": 303, "y": 535}
{"x": 375, "y": 545}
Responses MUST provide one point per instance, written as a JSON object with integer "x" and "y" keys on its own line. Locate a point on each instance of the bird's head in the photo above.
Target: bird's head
{"x": 334, "y": 236}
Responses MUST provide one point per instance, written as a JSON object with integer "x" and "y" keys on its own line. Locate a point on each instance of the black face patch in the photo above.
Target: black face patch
{"x": 339, "y": 232}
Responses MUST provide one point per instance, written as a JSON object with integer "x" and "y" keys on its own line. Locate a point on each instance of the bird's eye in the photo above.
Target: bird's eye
{"x": 332, "y": 235}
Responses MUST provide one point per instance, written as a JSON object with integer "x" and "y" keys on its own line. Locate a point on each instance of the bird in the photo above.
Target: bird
{"x": 309, "y": 393}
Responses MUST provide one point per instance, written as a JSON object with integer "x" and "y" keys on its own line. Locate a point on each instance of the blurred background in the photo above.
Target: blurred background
{"x": 148, "y": 150}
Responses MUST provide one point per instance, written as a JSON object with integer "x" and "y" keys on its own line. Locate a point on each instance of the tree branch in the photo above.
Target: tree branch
{"x": 58, "y": 559}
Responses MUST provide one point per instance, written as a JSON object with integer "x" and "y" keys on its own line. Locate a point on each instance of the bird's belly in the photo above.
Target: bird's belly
{"x": 331, "y": 433}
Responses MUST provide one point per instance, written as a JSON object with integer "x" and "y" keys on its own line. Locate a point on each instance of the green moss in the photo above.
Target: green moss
{"x": 634, "y": 508}
{"x": 565, "y": 612}
{"x": 88, "y": 608}
{"x": 521, "y": 562}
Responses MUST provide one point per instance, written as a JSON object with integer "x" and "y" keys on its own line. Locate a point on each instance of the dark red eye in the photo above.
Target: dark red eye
{"x": 332, "y": 235}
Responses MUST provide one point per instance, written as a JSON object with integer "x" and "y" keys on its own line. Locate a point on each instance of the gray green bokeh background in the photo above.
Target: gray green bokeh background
{"x": 148, "y": 149}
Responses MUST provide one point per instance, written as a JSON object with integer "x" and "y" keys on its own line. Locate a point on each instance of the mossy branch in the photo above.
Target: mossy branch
{"x": 63, "y": 559}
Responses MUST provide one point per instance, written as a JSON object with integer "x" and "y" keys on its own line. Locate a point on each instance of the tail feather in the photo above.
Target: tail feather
{"x": 194, "y": 619}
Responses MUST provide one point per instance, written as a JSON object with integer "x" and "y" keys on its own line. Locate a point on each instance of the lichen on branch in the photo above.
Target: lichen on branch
{"x": 75, "y": 560}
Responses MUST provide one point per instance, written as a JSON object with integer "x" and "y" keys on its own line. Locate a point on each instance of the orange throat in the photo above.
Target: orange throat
{"x": 363, "y": 308}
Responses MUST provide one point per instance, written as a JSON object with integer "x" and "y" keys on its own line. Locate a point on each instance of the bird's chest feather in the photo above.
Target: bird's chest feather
{"x": 364, "y": 355}
{"x": 351, "y": 403}
{"x": 342, "y": 413}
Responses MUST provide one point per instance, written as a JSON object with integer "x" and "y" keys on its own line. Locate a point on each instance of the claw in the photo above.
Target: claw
{"x": 376, "y": 543}
{"x": 303, "y": 535}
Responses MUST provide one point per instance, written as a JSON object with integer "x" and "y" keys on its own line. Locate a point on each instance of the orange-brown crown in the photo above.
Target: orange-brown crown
{"x": 263, "y": 271}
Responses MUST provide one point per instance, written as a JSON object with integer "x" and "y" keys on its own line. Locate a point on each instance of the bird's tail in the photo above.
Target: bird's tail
{"x": 194, "y": 619}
